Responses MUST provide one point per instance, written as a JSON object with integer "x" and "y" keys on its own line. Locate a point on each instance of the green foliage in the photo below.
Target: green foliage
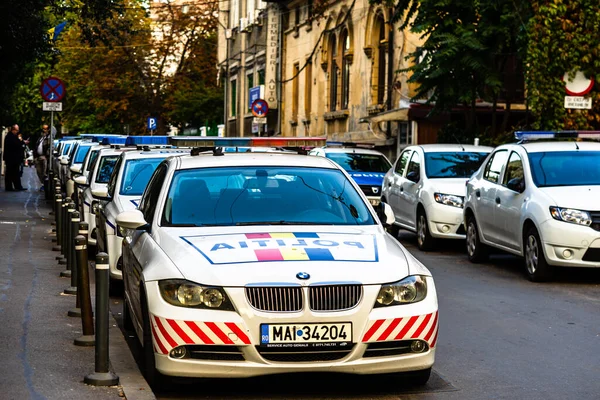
{"x": 563, "y": 37}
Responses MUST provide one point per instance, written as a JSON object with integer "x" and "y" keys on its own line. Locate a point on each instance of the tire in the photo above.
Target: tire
{"x": 425, "y": 241}
{"x": 476, "y": 251}
{"x": 154, "y": 378}
{"x": 537, "y": 268}
{"x": 418, "y": 378}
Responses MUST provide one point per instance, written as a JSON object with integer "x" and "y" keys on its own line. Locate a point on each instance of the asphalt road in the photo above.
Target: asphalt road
{"x": 501, "y": 337}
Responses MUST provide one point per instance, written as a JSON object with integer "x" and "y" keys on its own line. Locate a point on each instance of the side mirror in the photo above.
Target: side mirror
{"x": 80, "y": 180}
{"x": 76, "y": 169}
{"x": 64, "y": 161}
{"x": 132, "y": 219}
{"x": 101, "y": 194}
{"x": 516, "y": 184}
{"x": 413, "y": 176}
{"x": 386, "y": 214}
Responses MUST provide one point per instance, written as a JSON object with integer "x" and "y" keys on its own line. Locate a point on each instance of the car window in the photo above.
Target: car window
{"x": 356, "y": 162}
{"x": 565, "y": 168}
{"x": 415, "y": 164}
{"x": 90, "y": 159}
{"x": 452, "y": 165}
{"x": 136, "y": 175}
{"x": 152, "y": 191}
{"x": 493, "y": 168}
{"x": 263, "y": 196}
{"x": 401, "y": 163}
{"x": 105, "y": 168}
{"x": 80, "y": 154}
{"x": 514, "y": 168}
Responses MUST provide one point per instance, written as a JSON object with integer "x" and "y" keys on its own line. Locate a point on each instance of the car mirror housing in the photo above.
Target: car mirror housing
{"x": 132, "y": 219}
{"x": 76, "y": 169}
{"x": 100, "y": 194}
{"x": 80, "y": 180}
{"x": 385, "y": 214}
{"x": 64, "y": 161}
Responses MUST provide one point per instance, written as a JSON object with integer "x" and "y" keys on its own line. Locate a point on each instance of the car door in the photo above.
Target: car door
{"x": 413, "y": 183}
{"x": 509, "y": 199}
{"x": 394, "y": 183}
{"x": 485, "y": 195}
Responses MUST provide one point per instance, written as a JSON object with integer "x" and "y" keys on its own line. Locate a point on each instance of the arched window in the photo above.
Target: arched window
{"x": 333, "y": 74}
{"x": 345, "y": 48}
{"x": 381, "y": 60}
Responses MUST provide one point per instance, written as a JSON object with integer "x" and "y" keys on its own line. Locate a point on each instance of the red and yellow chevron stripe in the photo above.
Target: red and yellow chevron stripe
{"x": 424, "y": 327}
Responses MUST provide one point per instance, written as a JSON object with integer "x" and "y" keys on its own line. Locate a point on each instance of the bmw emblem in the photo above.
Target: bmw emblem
{"x": 302, "y": 275}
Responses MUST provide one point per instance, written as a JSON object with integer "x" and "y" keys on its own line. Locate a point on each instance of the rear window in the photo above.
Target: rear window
{"x": 355, "y": 162}
{"x": 453, "y": 165}
{"x": 105, "y": 169}
{"x": 565, "y": 168}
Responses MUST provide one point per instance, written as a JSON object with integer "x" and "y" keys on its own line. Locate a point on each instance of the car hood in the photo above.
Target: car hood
{"x": 455, "y": 186}
{"x": 578, "y": 197}
{"x": 367, "y": 178}
{"x": 237, "y": 256}
{"x": 127, "y": 203}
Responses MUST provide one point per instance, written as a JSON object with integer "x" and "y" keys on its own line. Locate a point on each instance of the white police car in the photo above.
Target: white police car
{"x": 539, "y": 200}
{"x": 366, "y": 166}
{"x": 123, "y": 191}
{"x": 237, "y": 265}
{"x": 426, "y": 189}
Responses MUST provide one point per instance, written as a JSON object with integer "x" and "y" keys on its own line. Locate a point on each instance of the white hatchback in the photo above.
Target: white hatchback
{"x": 539, "y": 201}
{"x": 426, "y": 189}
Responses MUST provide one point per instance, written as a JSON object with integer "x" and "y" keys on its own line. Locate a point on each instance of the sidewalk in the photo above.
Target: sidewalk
{"x": 39, "y": 359}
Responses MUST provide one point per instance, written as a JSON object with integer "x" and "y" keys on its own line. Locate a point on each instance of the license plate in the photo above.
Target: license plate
{"x": 375, "y": 202}
{"x": 306, "y": 335}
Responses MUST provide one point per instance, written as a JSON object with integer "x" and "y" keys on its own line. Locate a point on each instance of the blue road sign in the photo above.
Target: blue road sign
{"x": 152, "y": 123}
{"x": 52, "y": 89}
{"x": 253, "y": 95}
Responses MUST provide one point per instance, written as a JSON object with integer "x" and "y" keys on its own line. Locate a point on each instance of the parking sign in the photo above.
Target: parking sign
{"x": 152, "y": 123}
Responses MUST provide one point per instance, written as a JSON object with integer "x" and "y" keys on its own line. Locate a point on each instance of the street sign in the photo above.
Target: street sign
{"x": 257, "y": 120}
{"x": 577, "y": 84}
{"x": 254, "y": 94}
{"x": 259, "y": 108}
{"x": 52, "y": 89}
{"x": 578, "y": 102}
{"x": 152, "y": 123}
{"x": 50, "y": 106}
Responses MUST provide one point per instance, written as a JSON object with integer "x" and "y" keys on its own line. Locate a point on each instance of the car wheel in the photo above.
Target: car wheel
{"x": 424, "y": 239}
{"x": 476, "y": 251}
{"x": 536, "y": 266}
{"x": 154, "y": 378}
{"x": 418, "y": 378}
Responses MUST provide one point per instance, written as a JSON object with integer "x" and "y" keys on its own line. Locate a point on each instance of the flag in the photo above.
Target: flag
{"x": 54, "y": 32}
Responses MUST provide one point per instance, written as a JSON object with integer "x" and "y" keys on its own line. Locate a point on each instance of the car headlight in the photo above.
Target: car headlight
{"x": 409, "y": 290}
{"x": 571, "y": 215}
{"x": 449, "y": 199}
{"x": 184, "y": 293}
{"x": 94, "y": 207}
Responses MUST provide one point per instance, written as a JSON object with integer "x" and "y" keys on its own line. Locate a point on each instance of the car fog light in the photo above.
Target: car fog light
{"x": 445, "y": 228}
{"x": 178, "y": 352}
{"x": 418, "y": 346}
{"x": 567, "y": 253}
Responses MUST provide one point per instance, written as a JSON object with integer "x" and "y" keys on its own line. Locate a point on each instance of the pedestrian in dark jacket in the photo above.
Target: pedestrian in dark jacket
{"x": 41, "y": 154}
{"x": 12, "y": 153}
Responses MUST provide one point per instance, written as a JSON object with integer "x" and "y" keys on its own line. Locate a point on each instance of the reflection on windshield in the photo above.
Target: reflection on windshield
{"x": 565, "y": 168}
{"x": 136, "y": 175}
{"x": 81, "y": 153}
{"x": 263, "y": 196}
{"x": 105, "y": 169}
{"x": 452, "y": 165}
{"x": 355, "y": 162}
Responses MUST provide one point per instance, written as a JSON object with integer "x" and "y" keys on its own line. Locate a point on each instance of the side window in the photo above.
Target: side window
{"x": 112, "y": 182}
{"x": 150, "y": 197}
{"x": 414, "y": 165}
{"x": 401, "y": 163}
{"x": 493, "y": 169}
{"x": 514, "y": 168}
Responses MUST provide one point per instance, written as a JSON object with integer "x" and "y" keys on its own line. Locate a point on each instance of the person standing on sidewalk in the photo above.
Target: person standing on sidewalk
{"x": 13, "y": 157}
{"x": 41, "y": 154}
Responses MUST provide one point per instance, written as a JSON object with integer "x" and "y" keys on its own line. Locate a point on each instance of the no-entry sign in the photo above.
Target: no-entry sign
{"x": 52, "y": 89}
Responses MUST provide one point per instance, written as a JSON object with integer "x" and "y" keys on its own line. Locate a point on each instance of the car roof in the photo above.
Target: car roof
{"x": 354, "y": 150}
{"x": 454, "y": 147}
{"x": 535, "y": 147}
{"x": 255, "y": 159}
{"x": 154, "y": 153}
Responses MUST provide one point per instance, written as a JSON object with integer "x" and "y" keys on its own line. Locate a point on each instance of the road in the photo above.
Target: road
{"x": 501, "y": 337}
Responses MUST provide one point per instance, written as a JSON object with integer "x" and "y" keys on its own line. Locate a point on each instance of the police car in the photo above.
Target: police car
{"x": 123, "y": 191}
{"x": 366, "y": 166}
{"x": 74, "y": 166}
{"x": 426, "y": 190}
{"x": 246, "y": 264}
{"x": 538, "y": 199}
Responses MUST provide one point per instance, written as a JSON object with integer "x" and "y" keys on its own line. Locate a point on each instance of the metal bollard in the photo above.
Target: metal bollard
{"x": 83, "y": 293}
{"x": 102, "y": 376}
{"x": 71, "y": 254}
{"x": 66, "y": 240}
{"x": 63, "y": 231}
{"x": 76, "y": 312}
{"x": 58, "y": 206}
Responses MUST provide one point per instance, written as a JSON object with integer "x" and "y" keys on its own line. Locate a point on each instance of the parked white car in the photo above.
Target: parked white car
{"x": 426, "y": 189}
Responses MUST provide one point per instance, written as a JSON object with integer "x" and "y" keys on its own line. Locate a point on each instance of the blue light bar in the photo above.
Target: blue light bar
{"x": 146, "y": 140}
{"x": 541, "y": 135}
{"x": 70, "y": 138}
{"x": 109, "y": 139}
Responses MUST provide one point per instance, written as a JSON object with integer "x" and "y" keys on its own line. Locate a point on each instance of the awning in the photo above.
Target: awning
{"x": 399, "y": 114}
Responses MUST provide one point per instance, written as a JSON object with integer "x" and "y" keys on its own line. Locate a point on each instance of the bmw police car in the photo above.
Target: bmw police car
{"x": 538, "y": 199}
{"x": 366, "y": 166}
{"x": 125, "y": 187}
{"x": 245, "y": 264}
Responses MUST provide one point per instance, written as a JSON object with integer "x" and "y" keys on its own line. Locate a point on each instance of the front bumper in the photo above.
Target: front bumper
{"x": 570, "y": 245}
{"x": 445, "y": 222}
{"x": 238, "y": 335}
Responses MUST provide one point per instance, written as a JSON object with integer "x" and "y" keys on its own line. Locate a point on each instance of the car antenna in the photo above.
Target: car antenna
{"x": 576, "y": 145}
{"x": 458, "y": 141}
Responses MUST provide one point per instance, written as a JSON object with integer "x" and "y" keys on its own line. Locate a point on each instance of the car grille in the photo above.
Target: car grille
{"x": 295, "y": 355}
{"x": 595, "y": 220}
{"x": 275, "y": 298}
{"x": 386, "y": 349}
{"x": 334, "y": 297}
{"x": 215, "y": 353}
{"x": 592, "y": 254}
{"x": 368, "y": 190}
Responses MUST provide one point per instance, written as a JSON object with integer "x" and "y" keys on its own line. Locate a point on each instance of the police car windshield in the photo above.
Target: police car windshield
{"x": 92, "y": 158}
{"x": 136, "y": 175}
{"x": 80, "y": 154}
{"x": 105, "y": 169}
{"x": 565, "y": 168}
{"x": 65, "y": 149}
{"x": 263, "y": 196}
{"x": 452, "y": 165}
{"x": 356, "y": 162}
